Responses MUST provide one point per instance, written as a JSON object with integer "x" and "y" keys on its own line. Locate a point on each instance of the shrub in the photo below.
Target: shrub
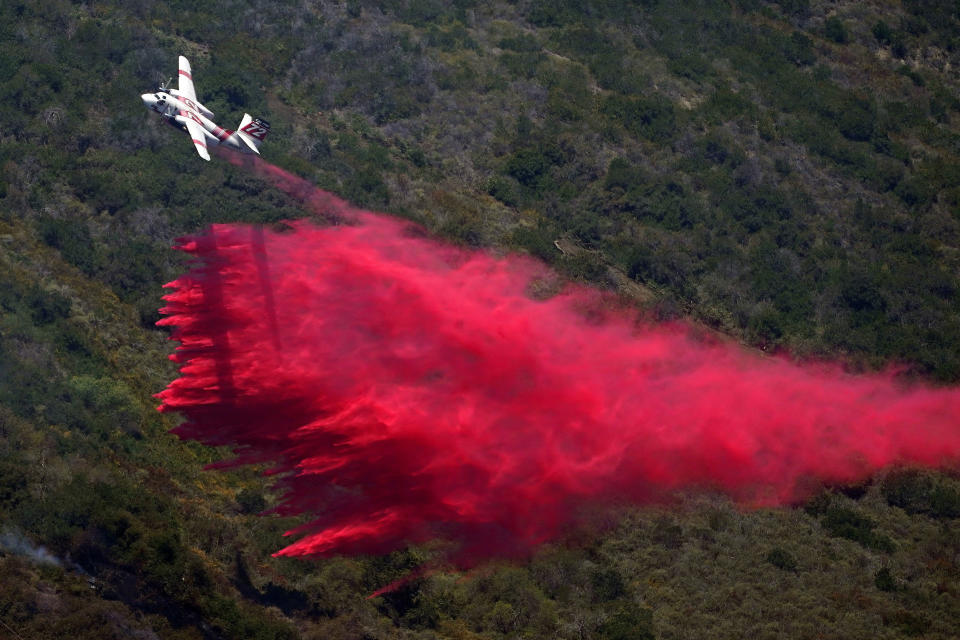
{"x": 917, "y": 491}
{"x": 527, "y": 166}
{"x": 651, "y": 117}
{"x": 504, "y": 190}
{"x": 251, "y": 501}
{"x": 520, "y": 43}
{"x": 798, "y": 8}
{"x": 691, "y": 65}
{"x": 72, "y": 238}
{"x": 669, "y": 534}
{"x": 522, "y": 65}
{"x": 552, "y": 14}
{"x": 48, "y": 306}
{"x": 667, "y": 205}
{"x": 782, "y": 559}
{"x": 856, "y": 119}
{"x": 725, "y": 104}
{"x": 914, "y": 76}
{"x": 622, "y": 174}
{"x": 629, "y": 621}
{"x": 538, "y": 241}
{"x": 884, "y": 580}
{"x": 909, "y": 622}
{"x": 800, "y": 49}
{"x": 835, "y": 30}
{"x": 585, "y": 265}
{"x": 765, "y": 327}
{"x": 846, "y": 523}
{"x": 367, "y": 188}
{"x": 607, "y": 584}
{"x": 945, "y": 502}
{"x": 882, "y": 32}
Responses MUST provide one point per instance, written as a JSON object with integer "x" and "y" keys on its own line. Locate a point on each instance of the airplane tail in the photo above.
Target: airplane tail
{"x": 252, "y": 131}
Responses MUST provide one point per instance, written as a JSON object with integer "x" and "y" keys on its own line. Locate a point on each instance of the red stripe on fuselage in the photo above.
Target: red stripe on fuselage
{"x": 222, "y": 134}
{"x": 190, "y": 114}
{"x": 218, "y": 132}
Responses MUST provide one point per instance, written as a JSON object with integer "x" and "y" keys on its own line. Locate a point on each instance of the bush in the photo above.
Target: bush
{"x": 72, "y": 238}
{"x": 884, "y": 580}
{"x": 835, "y": 30}
{"x": 910, "y": 623}
{"x": 622, "y": 174}
{"x": 528, "y": 166}
{"x": 800, "y": 49}
{"x": 652, "y": 117}
{"x": 629, "y": 621}
{"x": 538, "y": 241}
{"x": 607, "y": 584}
{"x": 782, "y": 559}
{"x": 691, "y": 65}
{"x": 586, "y": 265}
{"x": 667, "y": 205}
{"x": 521, "y": 65}
{"x": 367, "y": 188}
{"x": 504, "y": 190}
{"x": 552, "y": 14}
{"x": 765, "y": 327}
{"x": 667, "y": 533}
{"x": 798, "y": 8}
{"x": 725, "y": 104}
{"x": 882, "y": 32}
{"x": 251, "y": 501}
{"x": 856, "y": 119}
{"x": 846, "y": 523}
{"x": 521, "y": 43}
{"x": 48, "y": 306}
{"x": 917, "y": 491}
{"x": 945, "y": 502}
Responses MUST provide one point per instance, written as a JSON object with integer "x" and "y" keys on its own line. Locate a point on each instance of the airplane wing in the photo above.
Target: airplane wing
{"x": 185, "y": 86}
{"x": 199, "y": 139}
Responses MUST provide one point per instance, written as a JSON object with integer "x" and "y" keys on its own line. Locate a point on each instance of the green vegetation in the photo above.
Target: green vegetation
{"x": 785, "y": 172}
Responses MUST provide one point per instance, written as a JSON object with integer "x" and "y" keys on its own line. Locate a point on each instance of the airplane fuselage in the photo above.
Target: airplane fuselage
{"x": 175, "y": 110}
{"x": 181, "y": 108}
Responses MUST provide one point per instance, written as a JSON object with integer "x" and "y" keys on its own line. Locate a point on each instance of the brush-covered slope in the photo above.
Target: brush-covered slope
{"x": 784, "y": 172}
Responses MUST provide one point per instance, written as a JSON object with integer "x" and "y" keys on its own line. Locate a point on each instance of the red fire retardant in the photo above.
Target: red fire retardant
{"x": 404, "y": 390}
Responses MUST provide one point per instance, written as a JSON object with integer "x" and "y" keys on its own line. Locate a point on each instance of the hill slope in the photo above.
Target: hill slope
{"x": 784, "y": 172}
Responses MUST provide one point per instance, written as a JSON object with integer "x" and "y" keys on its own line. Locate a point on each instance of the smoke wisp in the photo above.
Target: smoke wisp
{"x": 404, "y": 390}
{"x": 15, "y": 543}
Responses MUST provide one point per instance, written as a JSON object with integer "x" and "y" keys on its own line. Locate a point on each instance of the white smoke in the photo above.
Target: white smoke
{"x": 15, "y": 543}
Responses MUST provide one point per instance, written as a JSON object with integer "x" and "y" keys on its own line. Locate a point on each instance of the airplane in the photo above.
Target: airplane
{"x": 179, "y": 107}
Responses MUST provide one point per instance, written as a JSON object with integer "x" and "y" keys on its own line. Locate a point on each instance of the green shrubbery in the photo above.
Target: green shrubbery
{"x": 652, "y": 118}
{"x": 782, "y": 559}
{"x": 844, "y": 522}
{"x": 917, "y": 491}
{"x": 747, "y": 166}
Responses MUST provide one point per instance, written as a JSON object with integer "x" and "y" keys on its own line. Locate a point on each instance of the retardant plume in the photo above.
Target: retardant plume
{"x": 404, "y": 390}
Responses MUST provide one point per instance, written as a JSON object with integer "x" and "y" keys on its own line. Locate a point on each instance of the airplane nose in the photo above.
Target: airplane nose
{"x": 148, "y": 100}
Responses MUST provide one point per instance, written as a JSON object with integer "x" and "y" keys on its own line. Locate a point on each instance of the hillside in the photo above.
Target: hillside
{"x": 785, "y": 173}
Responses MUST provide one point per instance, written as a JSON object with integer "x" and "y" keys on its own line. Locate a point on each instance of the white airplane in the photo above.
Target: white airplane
{"x": 180, "y": 108}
